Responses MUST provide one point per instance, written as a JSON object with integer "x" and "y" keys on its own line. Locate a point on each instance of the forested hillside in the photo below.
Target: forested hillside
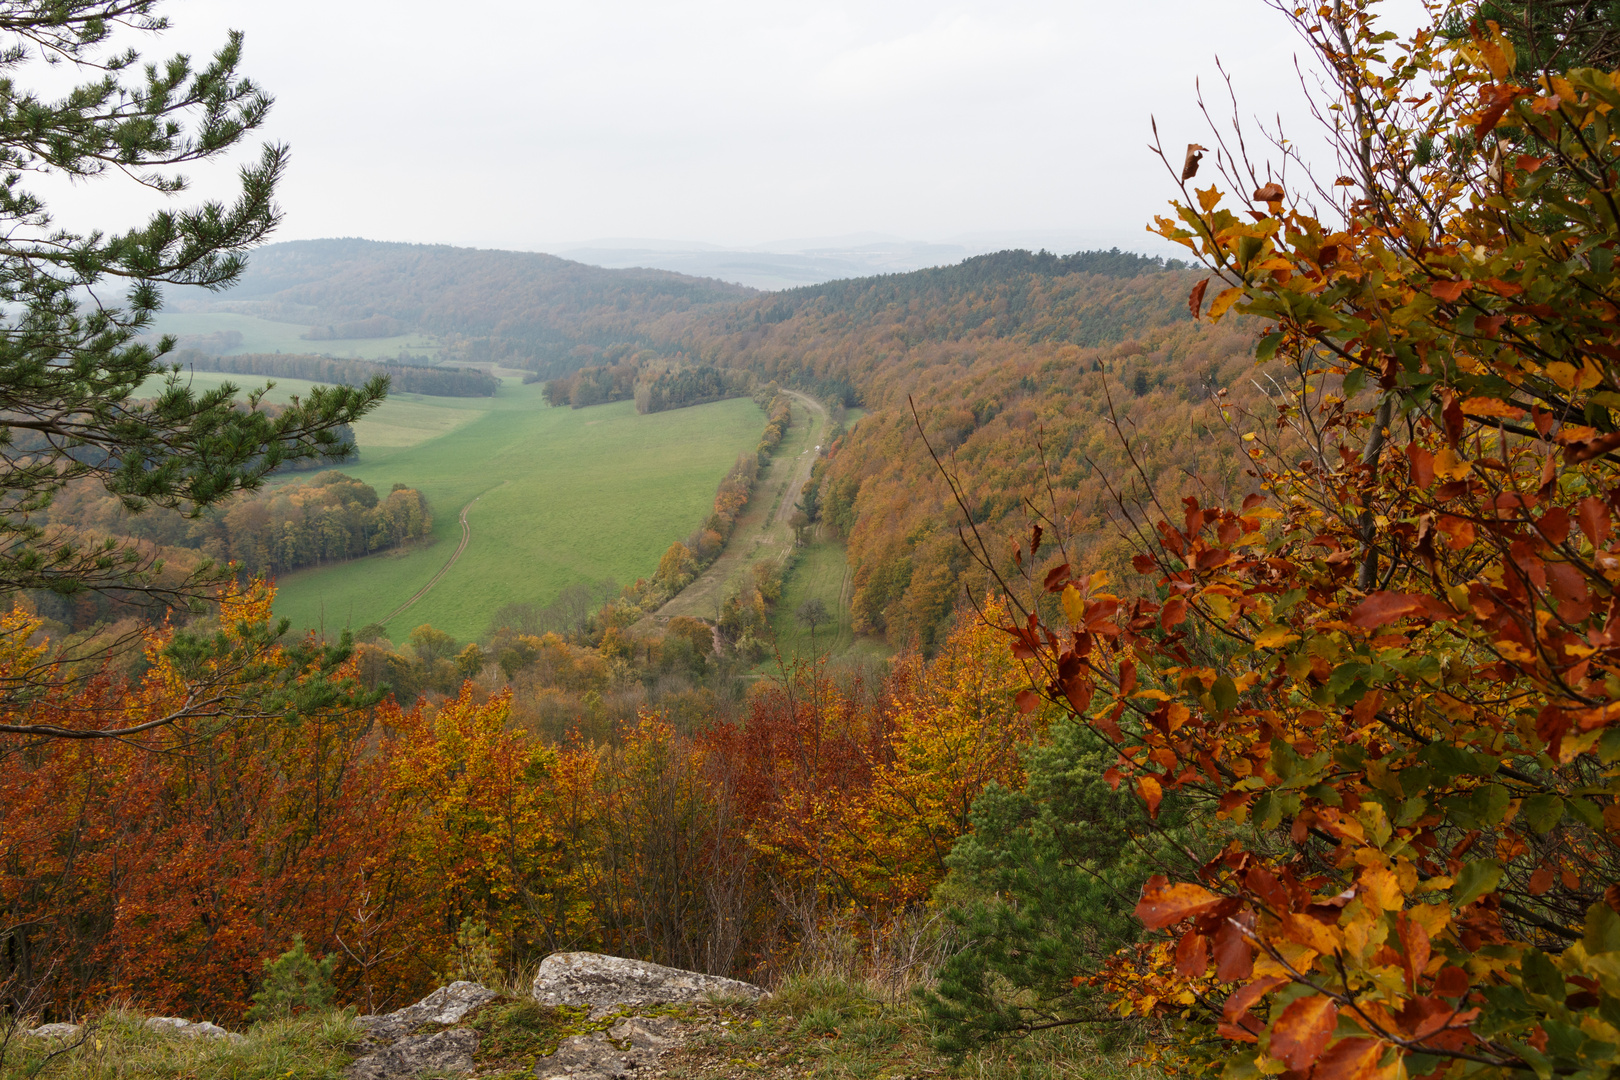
{"x": 519, "y": 308}
{"x": 1017, "y": 365}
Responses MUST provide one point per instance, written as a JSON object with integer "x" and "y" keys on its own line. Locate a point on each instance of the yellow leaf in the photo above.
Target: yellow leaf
{"x": 1226, "y": 300}
{"x": 1381, "y": 888}
{"x": 1449, "y": 466}
{"x": 1074, "y": 607}
{"x": 1563, "y": 374}
{"x": 1275, "y": 637}
{"x": 1209, "y": 198}
{"x": 1590, "y": 376}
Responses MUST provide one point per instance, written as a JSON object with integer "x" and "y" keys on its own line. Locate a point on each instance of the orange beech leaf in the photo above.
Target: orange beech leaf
{"x": 1163, "y": 904}
{"x": 1243, "y": 998}
{"x": 1449, "y": 291}
{"x": 1192, "y": 954}
{"x": 1593, "y": 516}
{"x": 1272, "y": 192}
{"x": 1195, "y": 299}
{"x": 1354, "y": 1058}
{"x": 1302, "y": 1031}
{"x": 1422, "y": 465}
{"x": 1483, "y": 406}
{"x": 1152, "y": 793}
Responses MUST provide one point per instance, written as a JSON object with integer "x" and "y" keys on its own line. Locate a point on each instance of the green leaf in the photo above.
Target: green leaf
{"x": 1225, "y": 693}
{"x": 1489, "y": 804}
{"x": 1609, "y": 746}
{"x": 1354, "y": 380}
{"x": 1476, "y": 879}
{"x": 1602, "y": 929}
{"x": 1267, "y": 348}
{"x": 1541, "y": 975}
{"x": 1542, "y": 812}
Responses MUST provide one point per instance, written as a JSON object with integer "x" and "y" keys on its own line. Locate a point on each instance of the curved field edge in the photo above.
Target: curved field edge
{"x": 569, "y": 495}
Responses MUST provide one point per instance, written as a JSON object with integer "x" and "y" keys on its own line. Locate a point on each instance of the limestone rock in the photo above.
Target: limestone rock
{"x": 54, "y": 1031}
{"x": 200, "y": 1029}
{"x": 445, "y": 1006}
{"x": 607, "y": 983}
{"x": 415, "y": 1055}
{"x": 631, "y": 1045}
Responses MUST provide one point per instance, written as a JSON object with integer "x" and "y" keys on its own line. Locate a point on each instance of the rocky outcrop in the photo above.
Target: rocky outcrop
{"x": 632, "y": 1044}
{"x": 168, "y": 1025}
{"x": 198, "y": 1029}
{"x": 442, "y": 1008}
{"x": 415, "y": 1055}
{"x": 611, "y": 983}
{"x": 413, "y": 1041}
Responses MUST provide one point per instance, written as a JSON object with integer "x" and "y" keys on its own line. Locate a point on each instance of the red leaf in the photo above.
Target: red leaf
{"x": 1192, "y": 954}
{"x": 1422, "y": 1017}
{"x": 1163, "y": 904}
{"x": 1113, "y": 777}
{"x": 1452, "y": 982}
{"x": 1449, "y": 291}
{"x": 1588, "y": 449}
{"x": 1414, "y": 948}
{"x": 1234, "y": 957}
{"x": 1174, "y": 613}
{"x": 1422, "y": 465}
{"x": 1302, "y": 1031}
{"x": 1383, "y": 608}
{"x": 1269, "y": 194}
{"x": 1593, "y": 514}
{"x": 1027, "y": 700}
{"x": 1195, "y": 300}
{"x": 1452, "y": 414}
{"x": 1056, "y": 577}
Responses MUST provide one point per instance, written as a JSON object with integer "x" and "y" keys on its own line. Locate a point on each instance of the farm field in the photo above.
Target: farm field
{"x": 263, "y": 336}
{"x": 820, "y": 572}
{"x": 563, "y": 496}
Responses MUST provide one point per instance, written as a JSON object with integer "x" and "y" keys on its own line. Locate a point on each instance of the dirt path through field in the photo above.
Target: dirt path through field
{"x": 764, "y": 530}
{"x": 466, "y": 535}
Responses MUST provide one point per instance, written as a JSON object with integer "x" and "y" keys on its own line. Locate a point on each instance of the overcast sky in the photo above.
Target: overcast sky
{"x": 527, "y": 125}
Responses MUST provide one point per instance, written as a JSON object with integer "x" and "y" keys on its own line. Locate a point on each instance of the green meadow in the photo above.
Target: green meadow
{"x": 563, "y": 496}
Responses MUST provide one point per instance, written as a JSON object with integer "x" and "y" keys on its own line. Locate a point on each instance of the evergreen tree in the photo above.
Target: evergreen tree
{"x": 74, "y": 305}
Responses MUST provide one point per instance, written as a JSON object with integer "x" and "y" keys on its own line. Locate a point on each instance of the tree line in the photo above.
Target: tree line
{"x": 405, "y": 378}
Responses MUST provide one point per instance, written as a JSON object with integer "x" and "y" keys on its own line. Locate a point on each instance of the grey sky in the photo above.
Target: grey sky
{"x": 526, "y": 125}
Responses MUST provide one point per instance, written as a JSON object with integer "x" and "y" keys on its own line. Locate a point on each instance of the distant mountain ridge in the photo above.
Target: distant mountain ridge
{"x": 526, "y": 309}
{"x": 553, "y": 316}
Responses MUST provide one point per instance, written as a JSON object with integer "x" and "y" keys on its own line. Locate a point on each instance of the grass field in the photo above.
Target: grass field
{"x": 819, "y": 571}
{"x": 264, "y": 336}
{"x": 564, "y": 496}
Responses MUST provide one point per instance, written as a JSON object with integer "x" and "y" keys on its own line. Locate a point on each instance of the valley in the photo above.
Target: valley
{"x": 564, "y": 497}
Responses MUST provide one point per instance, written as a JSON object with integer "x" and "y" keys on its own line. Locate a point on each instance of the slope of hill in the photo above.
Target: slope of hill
{"x": 1015, "y": 363}
{"x": 520, "y": 308}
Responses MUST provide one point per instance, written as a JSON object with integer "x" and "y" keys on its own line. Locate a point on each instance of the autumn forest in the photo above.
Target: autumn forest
{"x": 1220, "y": 664}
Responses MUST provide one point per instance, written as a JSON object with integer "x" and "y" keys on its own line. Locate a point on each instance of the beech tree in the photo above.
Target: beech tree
{"x": 74, "y": 305}
{"x": 1387, "y": 684}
